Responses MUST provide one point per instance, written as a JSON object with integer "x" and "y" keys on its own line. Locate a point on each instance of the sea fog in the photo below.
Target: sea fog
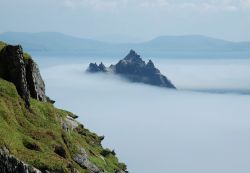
{"x": 203, "y": 127}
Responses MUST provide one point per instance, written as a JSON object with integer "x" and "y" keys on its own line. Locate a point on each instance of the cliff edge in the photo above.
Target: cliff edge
{"x": 36, "y": 137}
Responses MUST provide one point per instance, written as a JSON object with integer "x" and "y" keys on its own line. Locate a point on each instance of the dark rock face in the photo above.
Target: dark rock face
{"x": 12, "y": 68}
{"x": 94, "y": 68}
{"x": 135, "y": 69}
{"x": 35, "y": 81}
{"x": 24, "y": 73}
{"x": 10, "y": 164}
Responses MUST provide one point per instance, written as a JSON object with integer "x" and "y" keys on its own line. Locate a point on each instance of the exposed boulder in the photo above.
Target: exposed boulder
{"x": 23, "y": 72}
{"x": 135, "y": 69}
{"x": 82, "y": 159}
{"x": 68, "y": 124}
{"x": 10, "y": 164}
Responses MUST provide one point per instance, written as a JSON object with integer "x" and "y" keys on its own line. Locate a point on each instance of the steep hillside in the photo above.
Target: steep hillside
{"x": 41, "y": 138}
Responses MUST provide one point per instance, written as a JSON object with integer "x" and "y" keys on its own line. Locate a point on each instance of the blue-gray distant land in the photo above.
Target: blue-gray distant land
{"x": 53, "y": 43}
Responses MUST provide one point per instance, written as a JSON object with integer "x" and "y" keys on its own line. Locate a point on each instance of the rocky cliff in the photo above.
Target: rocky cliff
{"x": 36, "y": 137}
{"x": 21, "y": 70}
{"x": 133, "y": 68}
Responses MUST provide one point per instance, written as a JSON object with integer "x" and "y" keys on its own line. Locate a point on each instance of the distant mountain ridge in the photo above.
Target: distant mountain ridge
{"x": 58, "y": 43}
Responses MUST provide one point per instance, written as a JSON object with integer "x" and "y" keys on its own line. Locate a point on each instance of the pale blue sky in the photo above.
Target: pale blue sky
{"x": 129, "y": 20}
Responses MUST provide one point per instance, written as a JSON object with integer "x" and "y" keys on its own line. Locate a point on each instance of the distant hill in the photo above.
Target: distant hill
{"x": 60, "y": 44}
{"x": 193, "y": 43}
{"x": 52, "y": 42}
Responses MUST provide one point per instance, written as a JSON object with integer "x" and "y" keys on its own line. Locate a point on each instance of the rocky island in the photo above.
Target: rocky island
{"x": 133, "y": 68}
{"x": 37, "y": 137}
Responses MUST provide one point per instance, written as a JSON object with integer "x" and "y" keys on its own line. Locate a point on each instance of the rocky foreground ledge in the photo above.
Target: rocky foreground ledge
{"x": 20, "y": 69}
{"x": 36, "y": 137}
{"x": 133, "y": 68}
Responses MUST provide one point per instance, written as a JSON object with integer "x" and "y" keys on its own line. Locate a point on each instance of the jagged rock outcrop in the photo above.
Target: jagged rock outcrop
{"x": 93, "y": 68}
{"x": 135, "y": 69}
{"x": 12, "y": 68}
{"x": 23, "y": 72}
{"x": 10, "y": 164}
{"x": 82, "y": 159}
{"x": 35, "y": 82}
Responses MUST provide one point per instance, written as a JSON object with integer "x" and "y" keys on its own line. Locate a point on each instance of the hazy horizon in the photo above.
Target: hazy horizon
{"x": 129, "y": 21}
{"x": 131, "y": 41}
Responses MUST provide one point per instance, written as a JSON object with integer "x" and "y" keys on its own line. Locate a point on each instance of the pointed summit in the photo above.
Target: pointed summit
{"x": 102, "y": 67}
{"x": 150, "y": 64}
{"x": 93, "y": 68}
{"x": 133, "y": 56}
{"x": 132, "y": 53}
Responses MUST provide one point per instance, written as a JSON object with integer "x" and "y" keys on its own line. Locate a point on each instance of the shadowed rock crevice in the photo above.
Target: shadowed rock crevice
{"x": 133, "y": 68}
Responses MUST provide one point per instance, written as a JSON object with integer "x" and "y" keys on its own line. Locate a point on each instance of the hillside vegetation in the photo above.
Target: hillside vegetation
{"x": 48, "y": 138}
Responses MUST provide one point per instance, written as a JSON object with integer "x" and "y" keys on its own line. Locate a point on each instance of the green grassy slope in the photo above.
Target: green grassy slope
{"x": 2, "y": 44}
{"x": 33, "y": 134}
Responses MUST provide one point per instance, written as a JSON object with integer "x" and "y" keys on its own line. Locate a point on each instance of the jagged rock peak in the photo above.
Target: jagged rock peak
{"x": 102, "y": 67}
{"x": 93, "y": 68}
{"x": 20, "y": 69}
{"x": 133, "y": 57}
{"x": 135, "y": 69}
{"x": 150, "y": 64}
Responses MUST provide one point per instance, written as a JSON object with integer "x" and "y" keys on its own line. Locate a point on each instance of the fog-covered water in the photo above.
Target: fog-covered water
{"x": 156, "y": 130}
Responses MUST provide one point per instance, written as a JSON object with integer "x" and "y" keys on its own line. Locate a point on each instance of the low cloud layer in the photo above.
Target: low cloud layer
{"x": 129, "y": 20}
{"x": 159, "y": 130}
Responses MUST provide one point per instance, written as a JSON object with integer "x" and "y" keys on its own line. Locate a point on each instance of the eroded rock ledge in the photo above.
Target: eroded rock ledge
{"x": 21, "y": 70}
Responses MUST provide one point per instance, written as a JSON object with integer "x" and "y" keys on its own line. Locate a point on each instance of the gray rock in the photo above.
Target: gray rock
{"x": 69, "y": 123}
{"x": 24, "y": 73}
{"x": 82, "y": 159}
{"x": 94, "y": 68}
{"x": 133, "y": 68}
{"x": 10, "y": 164}
{"x": 35, "y": 82}
{"x": 12, "y": 68}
